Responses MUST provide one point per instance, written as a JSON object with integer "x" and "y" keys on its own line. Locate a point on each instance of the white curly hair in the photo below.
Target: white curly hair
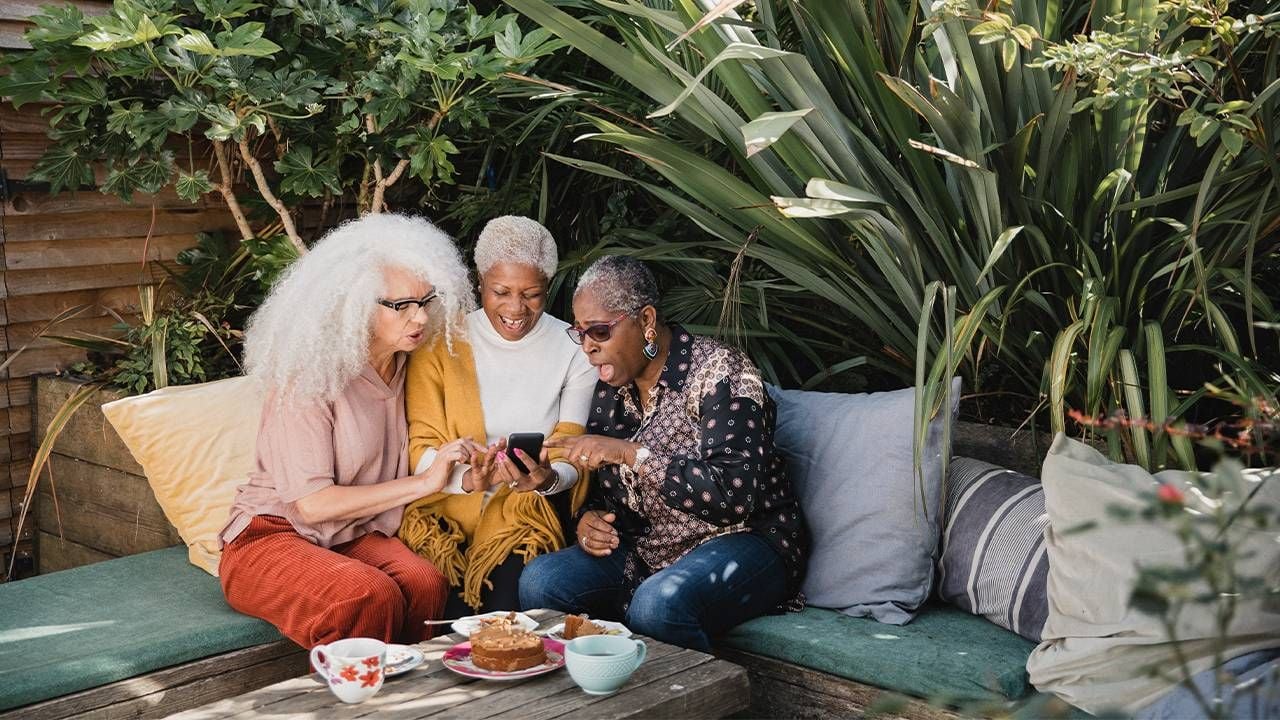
{"x": 311, "y": 336}
{"x": 516, "y": 239}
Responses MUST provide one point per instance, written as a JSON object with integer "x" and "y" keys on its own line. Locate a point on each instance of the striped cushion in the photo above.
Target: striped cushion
{"x": 993, "y": 560}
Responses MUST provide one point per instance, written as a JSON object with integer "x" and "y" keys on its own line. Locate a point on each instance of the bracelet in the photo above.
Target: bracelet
{"x": 551, "y": 489}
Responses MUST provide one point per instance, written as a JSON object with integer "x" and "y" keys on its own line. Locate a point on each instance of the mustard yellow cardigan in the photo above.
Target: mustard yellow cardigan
{"x": 442, "y": 403}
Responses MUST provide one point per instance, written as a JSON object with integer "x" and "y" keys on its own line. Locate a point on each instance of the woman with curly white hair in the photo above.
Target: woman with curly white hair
{"x": 310, "y": 545}
{"x": 516, "y": 371}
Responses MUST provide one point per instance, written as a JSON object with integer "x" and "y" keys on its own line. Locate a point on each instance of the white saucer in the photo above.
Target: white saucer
{"x": 403, "y": 658}
{"x": 471, "y": 623}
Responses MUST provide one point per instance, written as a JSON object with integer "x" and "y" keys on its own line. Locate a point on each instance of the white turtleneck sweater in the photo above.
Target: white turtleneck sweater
{"x": 529, "y": 385}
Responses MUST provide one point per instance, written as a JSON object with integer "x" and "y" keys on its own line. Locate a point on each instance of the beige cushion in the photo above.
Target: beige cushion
{"x": 1096, "y": 649}
{"x": 196, "y": 445}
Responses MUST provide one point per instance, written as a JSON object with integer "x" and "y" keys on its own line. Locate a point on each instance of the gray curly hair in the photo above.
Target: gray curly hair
{"x": 621, "y": 283}
{"x": 310, "y": 338}
{"x": 516, "y": 239}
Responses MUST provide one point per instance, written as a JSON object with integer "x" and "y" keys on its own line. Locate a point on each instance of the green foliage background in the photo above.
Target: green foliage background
{"x": 1072, "y": 204}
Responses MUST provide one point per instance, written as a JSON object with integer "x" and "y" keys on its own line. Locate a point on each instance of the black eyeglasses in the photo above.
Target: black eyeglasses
{"x": 406, "y": 308}
{"x": 599, "y": 332}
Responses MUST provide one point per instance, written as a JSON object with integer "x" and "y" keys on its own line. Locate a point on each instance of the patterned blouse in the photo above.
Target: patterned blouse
{"x": 713, "y": 469}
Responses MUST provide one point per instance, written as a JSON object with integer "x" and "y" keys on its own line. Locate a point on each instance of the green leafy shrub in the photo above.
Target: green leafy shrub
{"x": 292, "y": 101}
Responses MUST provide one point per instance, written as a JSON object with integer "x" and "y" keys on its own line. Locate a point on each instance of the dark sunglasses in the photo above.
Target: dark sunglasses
{"x": 599, "y": 332}
{"x": 400, "y": 306}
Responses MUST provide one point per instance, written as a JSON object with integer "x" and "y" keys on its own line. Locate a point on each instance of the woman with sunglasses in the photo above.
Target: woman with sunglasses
{"x": 513, "y": 372}
{"x": 692, "y": 526}
{"x": 310, "y": 545}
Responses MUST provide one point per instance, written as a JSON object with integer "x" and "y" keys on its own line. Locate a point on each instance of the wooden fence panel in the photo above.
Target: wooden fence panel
{"x": 80, "y": 250}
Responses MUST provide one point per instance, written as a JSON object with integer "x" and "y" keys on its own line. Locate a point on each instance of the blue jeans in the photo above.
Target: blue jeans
{"x": 717, "y": 585}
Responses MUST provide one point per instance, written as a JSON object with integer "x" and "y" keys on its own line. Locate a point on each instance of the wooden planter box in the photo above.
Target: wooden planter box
{"x": 97, "y": 505}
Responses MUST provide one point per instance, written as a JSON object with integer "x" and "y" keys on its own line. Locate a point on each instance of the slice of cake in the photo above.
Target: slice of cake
{"x": 578, "y": 625}
{"x": 506, "y": 649}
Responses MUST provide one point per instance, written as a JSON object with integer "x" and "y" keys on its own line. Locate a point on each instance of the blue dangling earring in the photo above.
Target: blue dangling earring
{"x": 651, "y": 344}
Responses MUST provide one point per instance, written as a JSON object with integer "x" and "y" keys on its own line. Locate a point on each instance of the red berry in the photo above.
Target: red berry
{"x": 1169, "y": 494}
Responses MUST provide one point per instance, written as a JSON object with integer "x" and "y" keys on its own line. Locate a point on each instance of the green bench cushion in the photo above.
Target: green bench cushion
{"x": 93, "y": 625}
{"x": 944, "y": 653}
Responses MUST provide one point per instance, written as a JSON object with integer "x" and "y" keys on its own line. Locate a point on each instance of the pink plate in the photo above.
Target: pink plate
{"x": 458, "y": 659}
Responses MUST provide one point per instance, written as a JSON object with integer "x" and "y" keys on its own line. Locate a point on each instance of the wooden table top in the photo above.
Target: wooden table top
{"x": 672, "y": 682}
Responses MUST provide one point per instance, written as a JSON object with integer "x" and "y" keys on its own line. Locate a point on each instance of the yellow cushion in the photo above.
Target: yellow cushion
{"x": 196, "y": 445}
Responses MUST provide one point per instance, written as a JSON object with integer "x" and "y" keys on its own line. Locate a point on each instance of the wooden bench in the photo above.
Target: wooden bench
{"x": 181, "y": 687}
{"x": 91, "y": 458}
{"x": 783, "y": 690}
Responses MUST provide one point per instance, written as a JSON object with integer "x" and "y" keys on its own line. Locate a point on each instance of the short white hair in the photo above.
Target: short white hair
{"x": 516, "y": 239}
{"x": 310, "y": 338}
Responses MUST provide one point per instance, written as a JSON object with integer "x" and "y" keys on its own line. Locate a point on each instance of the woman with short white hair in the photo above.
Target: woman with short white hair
{"x": 515, "y": 372}
{"x": 310, "y": 545}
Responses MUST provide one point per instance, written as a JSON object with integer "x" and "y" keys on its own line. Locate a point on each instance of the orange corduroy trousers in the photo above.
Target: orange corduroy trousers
{"x": 372, "y": 587}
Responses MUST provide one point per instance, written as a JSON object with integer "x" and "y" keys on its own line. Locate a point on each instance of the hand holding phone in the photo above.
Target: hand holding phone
{"x": 528, "y": 443}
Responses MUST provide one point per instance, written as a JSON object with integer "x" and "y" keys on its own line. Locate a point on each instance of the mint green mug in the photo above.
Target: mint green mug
{"x": 600, "y": 664}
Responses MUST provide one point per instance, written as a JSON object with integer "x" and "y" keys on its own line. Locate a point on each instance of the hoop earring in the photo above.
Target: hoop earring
{"x": 651, "y": 348}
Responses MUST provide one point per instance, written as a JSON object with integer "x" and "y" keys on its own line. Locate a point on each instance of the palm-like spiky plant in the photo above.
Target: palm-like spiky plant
{"x": 922, "y": 190}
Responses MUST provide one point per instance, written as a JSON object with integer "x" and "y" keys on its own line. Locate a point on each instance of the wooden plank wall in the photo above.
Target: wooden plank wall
{"x": 59, "y": 252}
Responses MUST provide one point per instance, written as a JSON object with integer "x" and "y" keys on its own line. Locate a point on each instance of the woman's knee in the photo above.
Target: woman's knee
{"x": 657, "y": 602}
{"x": 539, "y": 582}
{"x": 418, "y": 577}
{"x": 378, "y": 590}
{"x": 658, "y": 609}
{"x": 366, "y": 604}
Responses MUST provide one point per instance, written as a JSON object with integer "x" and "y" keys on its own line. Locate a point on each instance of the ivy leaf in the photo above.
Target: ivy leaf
{"x": 148, "y": 175}
{"x": 390, "y": 97}
{"x": 154, "y": 172}
{"x": 305, "y": 175}
{"x": 428, "y": 156}
{"x": 180, "y": 114}
{"x": 294, "y": 88}
{"x": 508, "y": 41}
{"x": 133, "y": 62}
{"x": 130, "y": 26}
{"x": 84, "y": 91}
{"x": 26, "y": 81}
{"x": 236, "y": 73}
{"x": 197, "y": 42}
{"x": 139, "y": 124}
{"x": 246, "y": 40}
{"x": 56, "y": 24}
{"x": 192, "y": 186}
{"x": 479, "y": 27}
{"x": 223, "y": 123}
{"x": 178, "y": 58}
{"x": 63, "y": 167}
{"x": 224, "y": 10}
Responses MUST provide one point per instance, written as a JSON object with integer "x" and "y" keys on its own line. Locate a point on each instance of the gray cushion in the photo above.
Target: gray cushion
{"x": 994, "y": 561}
{"x": 874, "y": 525}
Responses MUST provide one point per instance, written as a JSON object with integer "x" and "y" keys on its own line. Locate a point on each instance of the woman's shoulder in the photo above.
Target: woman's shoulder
{"x": 555, "y": 323}
{"x": 729, "y": 359}
{"x": 280, "y": 407}
{"x": 714, "y": 362}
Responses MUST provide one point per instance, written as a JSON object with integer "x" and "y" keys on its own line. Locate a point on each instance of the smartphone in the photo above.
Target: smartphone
{"x": 528, "y": 443}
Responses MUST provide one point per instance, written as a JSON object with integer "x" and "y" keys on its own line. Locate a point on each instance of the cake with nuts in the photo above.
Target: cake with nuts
{"x": 506, "y": 649}
{"x": 576, "y": 626}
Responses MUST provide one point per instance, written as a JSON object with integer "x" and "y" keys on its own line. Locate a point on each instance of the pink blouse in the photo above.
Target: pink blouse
{"x": 359, "y": 439}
